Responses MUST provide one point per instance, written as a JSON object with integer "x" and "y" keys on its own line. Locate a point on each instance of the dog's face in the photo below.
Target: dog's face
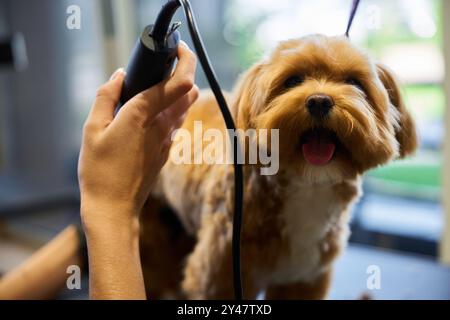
{"x": 338, "y": 113}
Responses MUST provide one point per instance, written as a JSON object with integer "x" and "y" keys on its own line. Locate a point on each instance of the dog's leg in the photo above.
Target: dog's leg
{"x": 163, "y": 245}
{"x": 208, "y": 273}
{"x": 316, "y": 290}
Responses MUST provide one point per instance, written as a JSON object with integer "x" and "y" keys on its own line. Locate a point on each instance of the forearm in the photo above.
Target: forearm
{"x": 45, "y": 272}
{"x": 114, "y": 262}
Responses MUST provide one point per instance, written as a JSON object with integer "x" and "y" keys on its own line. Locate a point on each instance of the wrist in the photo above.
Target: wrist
{"x": 112, "y": 237}
{"x": 107, "y": 219}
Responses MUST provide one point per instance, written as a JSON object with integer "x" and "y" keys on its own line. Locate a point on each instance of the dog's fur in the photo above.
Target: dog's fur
{"x": 295, "y": 223}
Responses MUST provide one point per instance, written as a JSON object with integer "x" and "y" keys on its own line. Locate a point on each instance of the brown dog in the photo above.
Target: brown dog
{"x": 338, "y": 115}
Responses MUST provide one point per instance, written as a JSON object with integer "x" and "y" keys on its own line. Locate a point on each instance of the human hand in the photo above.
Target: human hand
{"x": 121, "y": 156}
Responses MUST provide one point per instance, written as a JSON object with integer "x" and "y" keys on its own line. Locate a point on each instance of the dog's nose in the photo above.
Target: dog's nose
{"x": 319, "y": 105}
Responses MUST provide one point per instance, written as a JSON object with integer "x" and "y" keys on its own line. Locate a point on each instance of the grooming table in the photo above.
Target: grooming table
{"x": 402, "y": 276}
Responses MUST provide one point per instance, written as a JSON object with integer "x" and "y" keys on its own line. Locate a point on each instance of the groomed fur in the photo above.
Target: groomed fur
{"x": 295, "y": 222}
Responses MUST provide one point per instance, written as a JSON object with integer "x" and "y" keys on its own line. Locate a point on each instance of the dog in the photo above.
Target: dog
{"x": 338, "y": 114}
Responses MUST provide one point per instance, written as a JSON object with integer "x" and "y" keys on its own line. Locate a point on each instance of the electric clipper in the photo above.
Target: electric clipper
{"x": 152, "y": 61}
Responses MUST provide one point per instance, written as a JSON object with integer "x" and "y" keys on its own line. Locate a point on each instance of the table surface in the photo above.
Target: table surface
{"x": 401, "y": 276}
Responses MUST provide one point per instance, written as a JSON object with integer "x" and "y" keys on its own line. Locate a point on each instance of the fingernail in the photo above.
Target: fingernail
{"x": 116, "y": 73}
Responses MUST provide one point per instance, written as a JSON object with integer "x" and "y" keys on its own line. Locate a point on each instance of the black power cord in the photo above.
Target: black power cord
{"x": 159, "y": 34}
{"x": 229, "y": 123}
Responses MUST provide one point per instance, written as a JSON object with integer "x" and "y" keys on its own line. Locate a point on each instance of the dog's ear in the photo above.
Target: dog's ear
{"x": 406, "y": 130}
{"x": 247, "y": 96}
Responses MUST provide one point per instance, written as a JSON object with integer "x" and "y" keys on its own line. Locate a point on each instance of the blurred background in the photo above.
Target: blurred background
{"x": 47, "y": 86}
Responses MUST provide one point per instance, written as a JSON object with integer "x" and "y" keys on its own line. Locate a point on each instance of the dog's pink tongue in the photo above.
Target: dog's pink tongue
{"x": 318, "y": 150}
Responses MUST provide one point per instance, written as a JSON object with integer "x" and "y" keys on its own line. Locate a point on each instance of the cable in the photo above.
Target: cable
{"x": 163, "y": 20}
{"x": 158, "y": 33}
{"x": 353, "y": 10}
{"x": 229, "y": 123}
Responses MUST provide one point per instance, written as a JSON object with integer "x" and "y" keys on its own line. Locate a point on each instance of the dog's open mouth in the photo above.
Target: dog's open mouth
{"x": 318, "y": 146}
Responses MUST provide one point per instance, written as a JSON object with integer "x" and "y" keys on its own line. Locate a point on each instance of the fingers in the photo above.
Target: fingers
{"x": 179, "y": 108}
{"x": 108, "y": 95}
{"x": 184, "y": 75}
{"x": 149, "y": 103}
{"x": 175, "y": 115}
{"x": 172, "y": 118}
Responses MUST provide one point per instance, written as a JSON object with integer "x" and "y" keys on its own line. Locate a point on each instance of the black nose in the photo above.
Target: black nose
{"x": 319, "y": 105}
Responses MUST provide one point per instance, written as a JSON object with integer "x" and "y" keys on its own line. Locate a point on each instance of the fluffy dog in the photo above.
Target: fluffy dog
{"x": 338, "y": 114}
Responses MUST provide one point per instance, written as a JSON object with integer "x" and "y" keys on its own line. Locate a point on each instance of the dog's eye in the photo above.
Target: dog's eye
{"x": 293, "y": 81}
{"x": 354, "y": 82}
